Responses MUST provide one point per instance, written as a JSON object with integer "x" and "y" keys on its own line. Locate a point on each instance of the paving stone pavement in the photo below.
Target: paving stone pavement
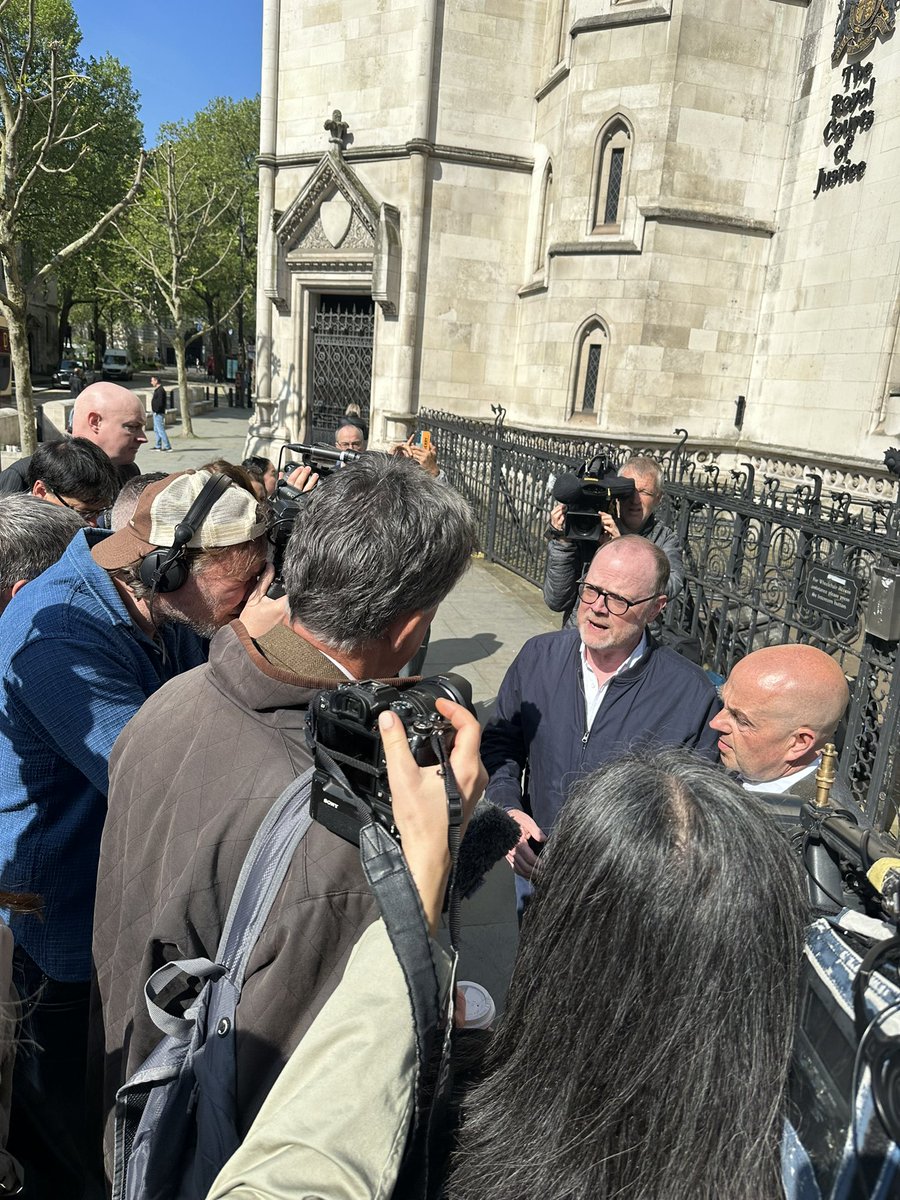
{"x": 478, "y": 631}
{"x": 220, "y": 433}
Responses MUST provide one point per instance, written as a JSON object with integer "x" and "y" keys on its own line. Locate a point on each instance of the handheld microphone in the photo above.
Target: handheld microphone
{"x": 491, "y": 835}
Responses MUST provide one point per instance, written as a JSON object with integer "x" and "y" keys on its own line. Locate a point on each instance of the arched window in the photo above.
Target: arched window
{"x": 589, "y": 364}
{"x": 545, "y": 216}
{"x": 561, "y": 31}
{"x": 611, "y": 163}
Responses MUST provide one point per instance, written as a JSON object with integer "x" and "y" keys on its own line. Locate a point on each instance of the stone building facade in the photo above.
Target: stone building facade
{"x": 624, "y": 215}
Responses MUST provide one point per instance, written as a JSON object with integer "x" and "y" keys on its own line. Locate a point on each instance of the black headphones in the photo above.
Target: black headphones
{"x": 882, "y": 1051}
{"x": 164, "y": 570}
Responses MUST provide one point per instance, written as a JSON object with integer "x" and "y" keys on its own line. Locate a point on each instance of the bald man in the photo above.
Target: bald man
{"x": 109, "y": 416}
{"x": 782, "y": 704}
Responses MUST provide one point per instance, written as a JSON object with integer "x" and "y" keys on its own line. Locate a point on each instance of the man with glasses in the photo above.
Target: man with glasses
{"x": 636, "y": 514}
{"x": 107, "y": 415}
{"x": 583, "y": 696}
{"x": 349, "y": 436}
{"x": 75, "y": 474}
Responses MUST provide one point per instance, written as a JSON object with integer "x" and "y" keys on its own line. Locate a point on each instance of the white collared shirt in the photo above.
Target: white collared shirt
{"x": 594, "y": 691}
{"x": 340, "y": 666}
{"x": 785, "y": 783}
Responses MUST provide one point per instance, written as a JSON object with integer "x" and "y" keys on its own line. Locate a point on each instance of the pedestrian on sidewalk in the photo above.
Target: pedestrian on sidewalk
{"x": 158, "y": 404}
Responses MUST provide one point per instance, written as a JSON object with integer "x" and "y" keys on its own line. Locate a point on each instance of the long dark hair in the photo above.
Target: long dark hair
{"x": 649, "y": 1024}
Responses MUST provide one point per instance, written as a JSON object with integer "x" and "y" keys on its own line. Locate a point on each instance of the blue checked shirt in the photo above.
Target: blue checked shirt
{"x": 74, "y": 670}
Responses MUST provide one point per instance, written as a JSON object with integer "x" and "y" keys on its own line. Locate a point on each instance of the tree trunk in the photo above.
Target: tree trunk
{"x": 187, "y": 429}
{"x": 215, "y": 342}
{"x": 15, "y": 309}
{"x": 95, "y": 335}
{"x": 65, "y": 308}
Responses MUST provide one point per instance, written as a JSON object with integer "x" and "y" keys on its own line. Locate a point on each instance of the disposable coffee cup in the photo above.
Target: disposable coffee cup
{"x": 480, "y": 1007}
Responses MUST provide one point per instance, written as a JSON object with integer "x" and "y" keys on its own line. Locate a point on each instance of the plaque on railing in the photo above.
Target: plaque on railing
{"x": 833, "y": 594}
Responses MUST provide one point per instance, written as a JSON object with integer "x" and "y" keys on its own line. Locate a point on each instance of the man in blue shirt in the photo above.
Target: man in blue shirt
{"x": 81, "y": 648}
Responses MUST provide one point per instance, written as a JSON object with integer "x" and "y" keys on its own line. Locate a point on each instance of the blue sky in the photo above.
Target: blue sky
{"x": 182, "y": 53}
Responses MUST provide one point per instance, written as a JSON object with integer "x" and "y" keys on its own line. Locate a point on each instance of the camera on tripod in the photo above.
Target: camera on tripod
{"x": 593, "y": 489}
{"x": 287, "y": 500}
{"x": 350, "y": 784}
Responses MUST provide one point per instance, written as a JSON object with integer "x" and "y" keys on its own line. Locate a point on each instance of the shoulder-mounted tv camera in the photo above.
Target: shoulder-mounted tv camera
{"x": 286, "y": 501}
{"x": 350, "y": 784}
{"x": 593, "y": 489}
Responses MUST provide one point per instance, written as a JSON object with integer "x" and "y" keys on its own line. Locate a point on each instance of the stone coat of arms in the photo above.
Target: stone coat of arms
{"x": 859, "y": 23}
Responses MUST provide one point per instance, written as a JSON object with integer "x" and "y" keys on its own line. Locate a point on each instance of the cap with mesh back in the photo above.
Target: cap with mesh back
{"x": 233, "y": 519}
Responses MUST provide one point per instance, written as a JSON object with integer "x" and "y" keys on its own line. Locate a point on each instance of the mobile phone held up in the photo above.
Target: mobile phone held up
{"x": 423, "y": 439}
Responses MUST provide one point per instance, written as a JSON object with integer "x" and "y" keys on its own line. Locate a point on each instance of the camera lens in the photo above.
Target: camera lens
{"x": 447, "y": 687}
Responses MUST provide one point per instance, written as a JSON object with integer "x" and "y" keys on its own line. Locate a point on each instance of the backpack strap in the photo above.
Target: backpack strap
{"x": 262, "y": 874}
{"x": 205, "y": 1031}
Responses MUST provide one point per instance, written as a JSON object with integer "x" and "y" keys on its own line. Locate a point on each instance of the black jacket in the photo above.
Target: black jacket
{"x": 663, "y": 700}
{"x": 158, "y": 399}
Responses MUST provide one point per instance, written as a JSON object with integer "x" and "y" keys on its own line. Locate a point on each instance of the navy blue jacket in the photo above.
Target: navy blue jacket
{"x": 662, "y": 700}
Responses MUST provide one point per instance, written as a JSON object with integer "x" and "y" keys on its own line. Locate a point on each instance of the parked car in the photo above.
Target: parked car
{"x": 62, "y": 376}
{"x": 117, "y": 365}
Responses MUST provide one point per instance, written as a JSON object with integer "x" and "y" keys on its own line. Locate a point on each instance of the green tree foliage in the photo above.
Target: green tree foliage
{"x": 225, "y": 141}
{"x": 186, "y": 252}
{"x": 70, "y": 160}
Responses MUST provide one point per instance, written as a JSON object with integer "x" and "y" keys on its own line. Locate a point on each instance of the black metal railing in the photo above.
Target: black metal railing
{"x": 769, "y": 559}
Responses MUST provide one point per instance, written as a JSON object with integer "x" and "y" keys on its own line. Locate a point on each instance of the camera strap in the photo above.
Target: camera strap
{"x": 404, "y": 919}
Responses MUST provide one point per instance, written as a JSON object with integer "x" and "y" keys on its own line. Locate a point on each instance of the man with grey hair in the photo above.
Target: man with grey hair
{"x": 33, "y": 535}
{"x": 567, "y": 560}
{"x": 83, "y": 646}
{"x": 350, "y": 436}
{"x": 373, "y": 553}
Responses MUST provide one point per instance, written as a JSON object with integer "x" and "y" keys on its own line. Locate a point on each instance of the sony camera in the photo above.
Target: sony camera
{"x": 350, "y": 785}
{"x": 592, "y": 490}
{"x": 286, "y": 501}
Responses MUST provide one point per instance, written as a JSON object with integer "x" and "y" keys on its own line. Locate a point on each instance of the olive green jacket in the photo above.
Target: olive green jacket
{"x": 335, "y": 1123}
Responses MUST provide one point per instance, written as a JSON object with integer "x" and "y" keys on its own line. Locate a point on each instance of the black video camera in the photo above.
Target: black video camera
{"x": 592, "y": 490}
{"x": 350, "y": 784}
{"x": 287, "y": 501}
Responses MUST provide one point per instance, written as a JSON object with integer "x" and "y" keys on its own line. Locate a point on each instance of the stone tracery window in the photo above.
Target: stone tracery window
{"x": 588, "y": 366}
{"x": 561, "y": 31}
{"x": 611, "y": 164}
{"x": 545, "y": 215}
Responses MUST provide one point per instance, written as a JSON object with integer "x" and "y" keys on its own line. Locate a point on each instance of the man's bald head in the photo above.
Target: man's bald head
{"x": 782, "y": 705}
{"x": 111, "y": 417}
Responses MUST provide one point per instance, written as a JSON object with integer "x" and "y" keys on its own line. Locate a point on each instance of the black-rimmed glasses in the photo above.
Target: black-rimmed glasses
{"x": 617, "y": 605}
{"x": 87, "y": 514}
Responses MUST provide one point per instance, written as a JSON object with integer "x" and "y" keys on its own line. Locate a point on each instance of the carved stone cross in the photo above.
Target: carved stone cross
{"x": 337, "y": 128}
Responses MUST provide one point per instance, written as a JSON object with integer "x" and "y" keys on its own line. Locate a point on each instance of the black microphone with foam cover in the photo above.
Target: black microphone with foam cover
{"x": 491, "y": 835}
{"x": 568, "y": 488}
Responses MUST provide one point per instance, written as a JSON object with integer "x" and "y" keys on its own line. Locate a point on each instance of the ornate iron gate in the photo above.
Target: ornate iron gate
{"x": 341, "y": 357}
{"x": 756, "y": 549}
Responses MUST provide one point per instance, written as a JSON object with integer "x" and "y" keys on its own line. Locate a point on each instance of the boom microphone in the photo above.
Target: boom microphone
{"x": 567, "y": 488}
{"x": 491, "y": 835}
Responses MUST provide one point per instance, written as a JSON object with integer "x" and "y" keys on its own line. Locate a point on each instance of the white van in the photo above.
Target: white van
{"x": 117, "y": 365}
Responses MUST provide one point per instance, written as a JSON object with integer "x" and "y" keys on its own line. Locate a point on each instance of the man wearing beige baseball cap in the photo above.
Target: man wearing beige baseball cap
{"x": 82, "y": 648}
